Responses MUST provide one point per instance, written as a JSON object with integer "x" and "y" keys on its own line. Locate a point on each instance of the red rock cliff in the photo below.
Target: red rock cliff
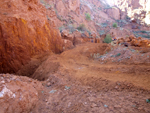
{"x": 24, "y": 32}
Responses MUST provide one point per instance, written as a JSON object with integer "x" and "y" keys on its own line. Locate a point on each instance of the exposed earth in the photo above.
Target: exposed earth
{"x": 82, "y": 84}
{"x": 76, "y": 82}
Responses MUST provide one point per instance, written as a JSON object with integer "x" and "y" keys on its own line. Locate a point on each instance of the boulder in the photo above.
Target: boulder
{"x": 77, "y": 38}
{"x": 85, "y": 36}
{"x": 113, "y": 13}
{"x": 93, "y": 35}
{"x": 67, "y": 44}
{"x": 18, "y": 94}
{"x": 66, "y": 35}
{"x": 121, "y": 40}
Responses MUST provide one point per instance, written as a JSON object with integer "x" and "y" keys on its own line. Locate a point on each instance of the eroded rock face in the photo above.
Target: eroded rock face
{"x": 17, "y": 94}
{"x": 24, "y": 32}
{"x": 136, "y": 9}
{"x": 114, "y": 13}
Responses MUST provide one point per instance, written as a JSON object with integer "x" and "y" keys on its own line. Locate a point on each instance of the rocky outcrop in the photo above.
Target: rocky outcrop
{"x": 114, "y": 13}
{"x": 18, "y": 94}
{"x": 120, "y": 32}
{"x": 133, "y": 41}
{"x": 24, "y": 32}
{"x": 137, "y": 10}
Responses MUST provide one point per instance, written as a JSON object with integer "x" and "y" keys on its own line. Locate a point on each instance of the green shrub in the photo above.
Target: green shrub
{"x": 88, "y": 16}
{"x": 115, "y": 25}
{"x": 89, "y": 32}
{"x": 81, "y": 27}
{"x": 107, "y": 39}
{"x": 143, "y": 32}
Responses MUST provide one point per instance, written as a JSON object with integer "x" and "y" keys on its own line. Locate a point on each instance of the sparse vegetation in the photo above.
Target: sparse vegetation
{"x": 108, "y": 39}
{"x": 104, "y": 24}
{"x": 127, "y": 17}
{"x": 81, "y": 27}
{"x": 102, "y": 32}
{"x": 115, "y": 25}
{"x": 58, "y": 16}
{"x": 48, "y": 18}
{"x": 89, "y": 32}
{"x": 61, "y": 28}
{"x": 88, "y": 16}
{"x": 143, "y": 32}
{"x": 138, "y": 34}
{"x": 47, "y": 5}
{"x": 71, "y": 28}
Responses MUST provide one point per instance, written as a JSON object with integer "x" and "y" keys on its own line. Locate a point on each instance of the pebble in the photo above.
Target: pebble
{"x": 85, "y": 103}
{"x": 48, "y": 84}
{"x": 140, "y": 108}
{"x": 69, "y": 104}
{"x": 117, "y": 106}
{"x": 91, "y": 98}
{"x": 67, "y": 88}
{"x": 93, "y": 105}
{"x": 52, "y": 91}
{"x": 116, "y": 87}
{"x": 105, "y": 106}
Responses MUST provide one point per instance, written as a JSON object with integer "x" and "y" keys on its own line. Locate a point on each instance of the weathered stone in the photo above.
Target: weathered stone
{"x": 24, "y": 32}
{"x": 18, "y": 95}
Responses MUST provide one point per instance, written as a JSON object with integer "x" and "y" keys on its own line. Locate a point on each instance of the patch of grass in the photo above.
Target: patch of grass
{"x": 115, "y": 25}
{"x": 88, "y": 16}
{"x": 108, "y": 39}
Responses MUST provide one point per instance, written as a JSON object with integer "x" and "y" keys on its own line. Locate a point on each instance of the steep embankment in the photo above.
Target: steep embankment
{"x": 24, "y": 32}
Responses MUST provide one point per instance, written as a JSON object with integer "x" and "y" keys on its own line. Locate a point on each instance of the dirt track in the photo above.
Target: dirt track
{"x": 77, "y": 83}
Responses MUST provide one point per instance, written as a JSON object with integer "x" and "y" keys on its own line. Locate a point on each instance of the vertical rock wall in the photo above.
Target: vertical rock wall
{"x": 24, "y": 32}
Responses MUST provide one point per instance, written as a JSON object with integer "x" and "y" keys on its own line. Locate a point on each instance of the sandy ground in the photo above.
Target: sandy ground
{"x": 77, "y": 82}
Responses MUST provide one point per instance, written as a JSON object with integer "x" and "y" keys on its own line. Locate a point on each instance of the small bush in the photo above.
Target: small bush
{"x": 61, "y": 28}
{"x": 143, "y": 32}
{"x": 115, "y": 25}
{"x": 88, "y": 16}
{"x": 71, "y": 28}
{"x": 108, "y": 39}
{"x": 81, "y": 27}
{"x": 89, "y": 32}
